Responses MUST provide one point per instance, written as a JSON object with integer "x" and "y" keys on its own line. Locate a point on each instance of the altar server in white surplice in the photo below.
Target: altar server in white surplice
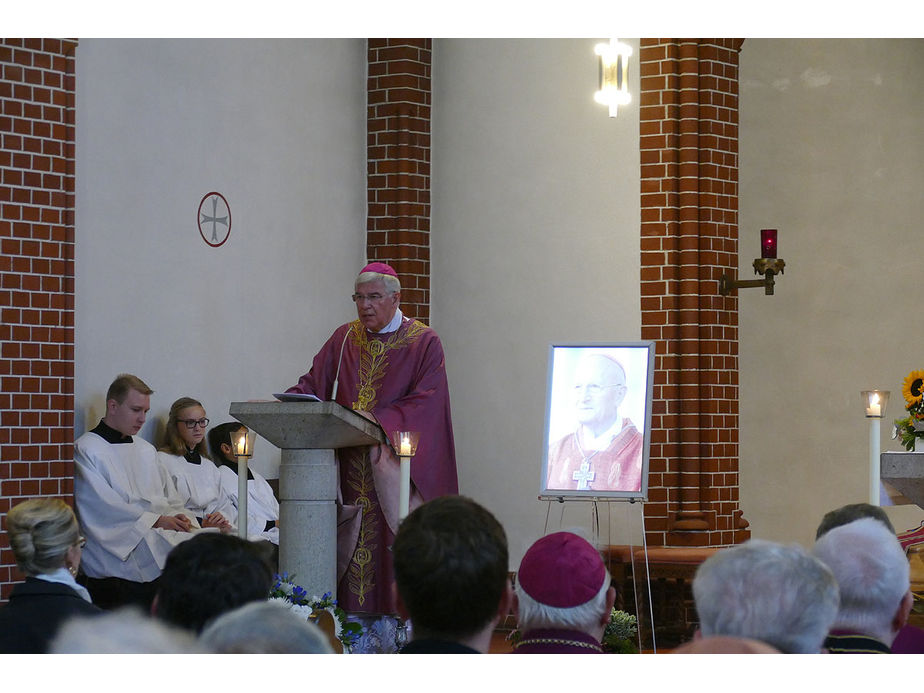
{"x": 262, "y": 506}
{"x": 185, "y": 455}
{"x": 128, "y": 505}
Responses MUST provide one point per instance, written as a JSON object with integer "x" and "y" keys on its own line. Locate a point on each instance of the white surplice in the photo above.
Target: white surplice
{"x": 262, "y": 506}
{"x": 199, "y": 485}
{"x": 121, "y": 490}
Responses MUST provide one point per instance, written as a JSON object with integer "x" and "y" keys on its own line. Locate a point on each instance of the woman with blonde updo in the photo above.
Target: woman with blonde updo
{"x": 46, "y": 543}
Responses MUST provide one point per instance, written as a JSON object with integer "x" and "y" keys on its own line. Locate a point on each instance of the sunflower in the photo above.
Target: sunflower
{"x": 913, "y": 389}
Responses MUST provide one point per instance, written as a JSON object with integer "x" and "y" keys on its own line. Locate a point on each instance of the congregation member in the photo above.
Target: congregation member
{"x": 848, "y": 513}
{"x": 872, "y": 573}
{"x": 390, "y": 368}
{"x": 563, "y": 597}
{"x": 209, "y": 575}
{"x": 722, "y": 644}
{"x": 126, "y": 630}
{"x": 910, "y": 639}
{"x": 779, "y": 595}
{"x": 451, "y": 576}
{"x": 185, "y": 455}
{"x": 262, "y": 505}
{"x": 46, "y": 543}
{"x": 128, "y": 506}
{"x": 264, "y": 628}
{"x": 604, "y": 453}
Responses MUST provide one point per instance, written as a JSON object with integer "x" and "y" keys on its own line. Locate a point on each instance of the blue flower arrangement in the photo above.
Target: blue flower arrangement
{"x": 297, "y": 599}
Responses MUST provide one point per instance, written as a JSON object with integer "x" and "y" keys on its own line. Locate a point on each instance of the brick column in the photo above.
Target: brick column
{"x": 36, "y": 277}
{"x": 689, "y": 236}
{"x": 398, "y": 183}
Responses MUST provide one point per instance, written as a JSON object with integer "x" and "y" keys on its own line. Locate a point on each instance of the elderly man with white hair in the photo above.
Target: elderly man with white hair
{"x": 766, "y": 591}
{"x": 873, "y": 575}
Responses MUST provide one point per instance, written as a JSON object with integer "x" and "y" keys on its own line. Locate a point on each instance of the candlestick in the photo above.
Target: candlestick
{"x": 404, "y": 496}
{"x": 874, "y": 404}
{"x": 242, "y": 441}
{"x": 242, "y": 496}
{"x": 405, "y": 444}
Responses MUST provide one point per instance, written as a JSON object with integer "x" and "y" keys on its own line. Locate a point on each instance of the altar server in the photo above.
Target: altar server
{"x": 128, "y": 506}
{"x": 185, "y": 455}
{"x": 262, "y": 505}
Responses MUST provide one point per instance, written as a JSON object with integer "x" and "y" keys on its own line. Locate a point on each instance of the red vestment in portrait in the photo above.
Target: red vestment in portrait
{"x": 617, "y": 468}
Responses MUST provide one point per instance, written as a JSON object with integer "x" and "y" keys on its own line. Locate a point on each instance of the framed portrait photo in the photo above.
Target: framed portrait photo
{"x": 598, "y": 421}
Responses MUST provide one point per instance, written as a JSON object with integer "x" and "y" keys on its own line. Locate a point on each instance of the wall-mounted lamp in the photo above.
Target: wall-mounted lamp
{"x": 767, "y": 265}
{"x": 614, "y": 74}
{"x": 874, "y": 404}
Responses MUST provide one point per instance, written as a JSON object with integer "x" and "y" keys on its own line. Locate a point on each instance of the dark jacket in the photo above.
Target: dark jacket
{"x": 35, "y": 611}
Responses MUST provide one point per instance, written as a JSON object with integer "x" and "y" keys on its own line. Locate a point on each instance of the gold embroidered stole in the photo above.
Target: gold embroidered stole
{"x": 373, "y": 365}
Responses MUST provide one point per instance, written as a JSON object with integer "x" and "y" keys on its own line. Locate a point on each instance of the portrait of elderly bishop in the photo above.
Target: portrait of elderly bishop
{"x": 604, "y": 452}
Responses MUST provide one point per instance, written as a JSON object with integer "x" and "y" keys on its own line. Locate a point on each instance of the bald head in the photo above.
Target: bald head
{"x": 599, "y": 388}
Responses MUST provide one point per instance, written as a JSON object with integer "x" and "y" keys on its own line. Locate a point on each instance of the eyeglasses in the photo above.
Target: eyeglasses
{"x": 372, "y": 298}
{"x": 81, "y": 542}
{"x": 192, "y": 423}
{"x": 594, "y": 389}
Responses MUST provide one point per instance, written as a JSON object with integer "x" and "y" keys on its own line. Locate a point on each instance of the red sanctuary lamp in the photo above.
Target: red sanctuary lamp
{"x": 768, "y": 243}
{"x": 767, "y": 265}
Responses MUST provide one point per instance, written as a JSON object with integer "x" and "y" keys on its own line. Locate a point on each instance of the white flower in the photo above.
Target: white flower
{"x": 337, "y": 627}
{"x": 302, "y": 610}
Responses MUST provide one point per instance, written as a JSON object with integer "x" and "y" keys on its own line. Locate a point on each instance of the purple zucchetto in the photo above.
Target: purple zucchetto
{"x": 562, "y": 570}
{"x": 380, "y": 268}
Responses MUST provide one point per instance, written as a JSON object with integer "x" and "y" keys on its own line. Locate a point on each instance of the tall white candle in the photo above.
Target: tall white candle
{"x": 404, "y": 497}
{"x": 874, "y": 471}
{"x": 242, "y": 496}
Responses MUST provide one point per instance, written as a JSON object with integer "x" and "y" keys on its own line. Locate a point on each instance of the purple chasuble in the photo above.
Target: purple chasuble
{"x": 399, "y": 377}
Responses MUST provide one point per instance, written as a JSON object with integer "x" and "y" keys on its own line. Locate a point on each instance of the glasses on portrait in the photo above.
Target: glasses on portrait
{"x": 192, "y": 423}
{"x": 594, "y": 389}
{"x": 372, "y": 298}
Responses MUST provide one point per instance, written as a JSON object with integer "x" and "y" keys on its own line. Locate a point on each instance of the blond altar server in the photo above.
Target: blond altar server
{"x": 127, "y": 503}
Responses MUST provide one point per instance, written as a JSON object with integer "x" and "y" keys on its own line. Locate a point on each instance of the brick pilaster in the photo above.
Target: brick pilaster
{"x": 689, "y": 194}
{"x": 36, "y": 276}
{"x": 398, "y": 151}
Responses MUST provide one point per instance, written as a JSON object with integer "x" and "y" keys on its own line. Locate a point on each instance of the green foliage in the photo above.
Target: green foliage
{"x": 619, "y": 636}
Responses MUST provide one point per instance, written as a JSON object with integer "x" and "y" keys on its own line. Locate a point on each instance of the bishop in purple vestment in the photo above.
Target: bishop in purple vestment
{"x": 391, "y": 369}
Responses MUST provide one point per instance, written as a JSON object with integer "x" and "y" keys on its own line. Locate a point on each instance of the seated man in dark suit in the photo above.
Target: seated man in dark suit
{"x": 451, "y": 575}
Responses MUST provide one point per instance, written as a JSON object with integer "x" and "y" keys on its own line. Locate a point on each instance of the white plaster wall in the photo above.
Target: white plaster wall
{"x": 535, "y": 240}
{"x": 276, "y": 126}
{"x": 832, "y": 154}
